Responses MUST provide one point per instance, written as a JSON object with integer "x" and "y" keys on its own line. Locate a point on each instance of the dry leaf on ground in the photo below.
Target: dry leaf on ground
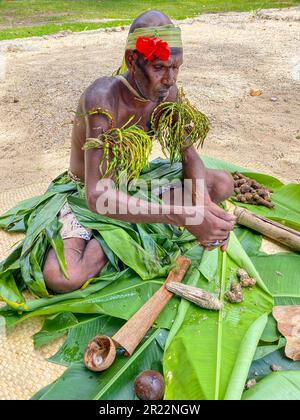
{"x": 255, "y": 92}
{"x": 288, "y": 323}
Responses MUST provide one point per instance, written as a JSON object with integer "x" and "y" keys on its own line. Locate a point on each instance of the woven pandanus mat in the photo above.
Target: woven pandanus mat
{"x": 23, "y": 370}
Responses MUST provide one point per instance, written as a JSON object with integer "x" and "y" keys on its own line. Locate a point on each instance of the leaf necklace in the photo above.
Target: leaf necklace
{"x": 136, "y": 94}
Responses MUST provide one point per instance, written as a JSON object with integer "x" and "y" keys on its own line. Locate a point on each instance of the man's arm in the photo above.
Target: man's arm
{"x": 145, "y": 212}
{"x": 194, "y": 169}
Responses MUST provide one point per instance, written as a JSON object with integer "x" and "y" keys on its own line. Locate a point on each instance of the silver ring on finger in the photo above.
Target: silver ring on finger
{"x": 215, "y": 243}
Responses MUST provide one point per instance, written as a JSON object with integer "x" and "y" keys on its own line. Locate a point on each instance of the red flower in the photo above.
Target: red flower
{"x": 152, "y": 48}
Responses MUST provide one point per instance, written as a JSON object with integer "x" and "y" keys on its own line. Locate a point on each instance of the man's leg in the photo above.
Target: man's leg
{"x": 84, "y": 259}
{"x": 219, "y": 184}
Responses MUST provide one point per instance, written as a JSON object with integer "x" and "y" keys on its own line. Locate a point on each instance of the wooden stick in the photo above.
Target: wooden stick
{"x": 198, "y": 296}
{"x": 269, "y": 228}
{"x": 130, "y": 335}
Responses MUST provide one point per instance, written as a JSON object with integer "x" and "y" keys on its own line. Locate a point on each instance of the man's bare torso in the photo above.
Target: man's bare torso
{"x": 110, "y": 94}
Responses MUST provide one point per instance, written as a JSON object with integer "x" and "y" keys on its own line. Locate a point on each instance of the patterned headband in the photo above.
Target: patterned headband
{"x": 167, "y": 33}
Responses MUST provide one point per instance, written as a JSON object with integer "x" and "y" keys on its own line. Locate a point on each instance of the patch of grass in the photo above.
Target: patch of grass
{"x": 40, "y": 13}
{"x": 48, "y": 29}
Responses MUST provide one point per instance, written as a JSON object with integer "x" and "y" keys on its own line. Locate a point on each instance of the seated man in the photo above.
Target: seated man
{"x": 150, "y": 79}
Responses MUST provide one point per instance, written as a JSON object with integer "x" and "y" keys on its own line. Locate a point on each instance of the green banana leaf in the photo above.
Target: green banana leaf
{"x": 191, "y": 278}
{"x": 53, "y": 328}
{"x": 263, "y": 351}
{"x": 151, "y": 249}
{"x": 56, "y": 242}
{"x": 16, "y": 214}
{"x": 280, "y": 273}
{"x": 120, "y": 299}
{"x": 31, "y": 270}
{"x": 32, "y": 306}
{"x": 270, "y": 333}
{"x": 112, "y": 258}
{"x": 116, "y": 383}
{"x": 10, "y": 283}
{"x": 250, "y": 240}
{"x": 218, "y": 348}
{"x": 262, "y": 367}
{"x": 72, "y": 351}
{"x": 286, "y": 300}
{"x": 42, "y": 219}
{"x": 276, "y": 386}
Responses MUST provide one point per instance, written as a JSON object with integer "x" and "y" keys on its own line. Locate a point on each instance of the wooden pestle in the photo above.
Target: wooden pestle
{"x": 101, "y": 350}
{"x": 269, "y": 228}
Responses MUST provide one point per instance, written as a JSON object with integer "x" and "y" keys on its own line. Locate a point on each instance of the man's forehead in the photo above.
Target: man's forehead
{"x": 175, "y": 58}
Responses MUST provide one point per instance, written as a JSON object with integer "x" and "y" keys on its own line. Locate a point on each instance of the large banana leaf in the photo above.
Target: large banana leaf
{"x": 280, "y": 273}
{"x": 120, "y": 299}
{"x": 249, "y": 239}
{"x": 73, "y": 349}
{"x": 104, "y": 280}
{"x": 12, "y": 317}
{"x": 192, "y": 279}
{"x": 217, "y": 347}
{"x": 53, "y": 328}
{"x": 276, "y": 386}
{"x": 78, "y": 383}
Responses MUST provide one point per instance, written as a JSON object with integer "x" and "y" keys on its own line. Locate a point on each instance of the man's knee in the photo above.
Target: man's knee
{"x": 79, "y": 267}
{"x": 56, "y": 281}
{"x": 221, "y": 186}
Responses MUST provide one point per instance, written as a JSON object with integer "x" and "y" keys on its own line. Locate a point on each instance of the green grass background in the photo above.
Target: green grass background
{"x": 22, "y": 18}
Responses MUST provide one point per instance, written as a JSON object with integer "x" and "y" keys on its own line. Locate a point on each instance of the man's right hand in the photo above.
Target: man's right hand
{"x": 215, "y": 227}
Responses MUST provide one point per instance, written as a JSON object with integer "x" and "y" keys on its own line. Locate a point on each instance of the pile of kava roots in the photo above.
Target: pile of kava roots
{"x": 249, "y": 191}
{"x": 235, "y": 295}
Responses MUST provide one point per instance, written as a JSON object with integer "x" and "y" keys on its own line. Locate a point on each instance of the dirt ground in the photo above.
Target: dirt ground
{"x": 225, "y": 56}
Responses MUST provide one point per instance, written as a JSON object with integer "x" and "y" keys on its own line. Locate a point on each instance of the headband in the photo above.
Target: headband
{"x": 167, "y": 33}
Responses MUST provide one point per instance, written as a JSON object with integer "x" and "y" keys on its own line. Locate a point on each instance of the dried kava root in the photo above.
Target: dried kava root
{"x": 198, "y": 296}
{"x": 249, "y": 191}
{"x": 245, "y": 279}
{"x": 235, "y": 295}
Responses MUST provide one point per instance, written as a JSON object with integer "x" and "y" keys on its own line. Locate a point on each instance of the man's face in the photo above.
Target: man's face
{"x": 154, "y": 79}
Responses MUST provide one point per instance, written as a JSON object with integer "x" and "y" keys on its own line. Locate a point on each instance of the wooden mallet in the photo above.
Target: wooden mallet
{"x": 101, "y": 350}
